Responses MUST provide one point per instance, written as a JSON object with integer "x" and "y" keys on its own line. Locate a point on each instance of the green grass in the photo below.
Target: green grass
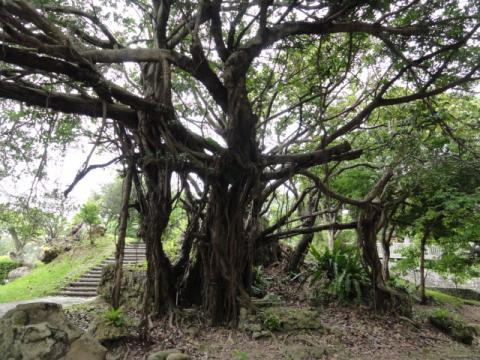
{"x": 450, "y": 299}
{"x": 47, "y": 279}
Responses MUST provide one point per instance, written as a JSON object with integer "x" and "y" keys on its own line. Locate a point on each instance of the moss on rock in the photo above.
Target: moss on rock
{"x": 452, "y": 326}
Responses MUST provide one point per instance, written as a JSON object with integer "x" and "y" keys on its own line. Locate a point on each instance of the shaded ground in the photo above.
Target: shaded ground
{"x": 346, "y": 333}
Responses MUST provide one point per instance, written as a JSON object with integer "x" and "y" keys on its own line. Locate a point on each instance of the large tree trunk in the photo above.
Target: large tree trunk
{"x": 387, "y": 234}
{"x": 16, "y": 240}
{"x": 367, "y": 228}
{"x": 385, "y": 298}
{"x": 227, "y": 250}
{"x": 226, "y": 259}
{"x": 122, "y": 232}
{"x": 160, "y": 279}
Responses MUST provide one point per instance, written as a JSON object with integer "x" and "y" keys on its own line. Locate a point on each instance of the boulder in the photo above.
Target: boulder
{"x": 105, "y": 332}
{"x": 453, "y": 326}
{"x": 285, "y": 318}
{"x": 41, "y": 331}
{"x": 49, "y": 254}
{"x": 18, "y": 272}
{"x": 86, "y": 348}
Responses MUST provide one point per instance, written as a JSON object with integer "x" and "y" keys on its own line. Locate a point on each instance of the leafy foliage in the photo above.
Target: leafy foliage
{"x": 272, "y": 322}
{"x": 89, "y": 213}
{"x": 6, "y": 265}
{"x": 115, "y": 317}
{"x": 344, "y": 271}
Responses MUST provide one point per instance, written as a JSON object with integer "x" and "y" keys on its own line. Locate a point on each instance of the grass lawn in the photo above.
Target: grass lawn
{"x": 47, "y": 279}
{"x": 450, "y": 299}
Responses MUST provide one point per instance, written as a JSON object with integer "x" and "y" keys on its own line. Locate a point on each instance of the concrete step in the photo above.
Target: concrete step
{"x": 86, "y": 286}
{"x": 91, "y": 277}
{"x": 129, "y": 258}
{"x": 82, "y": 284}
{"x": 81, "y": 289}
{"x": 78, "y": 293}
{"x": 125, "y": 262}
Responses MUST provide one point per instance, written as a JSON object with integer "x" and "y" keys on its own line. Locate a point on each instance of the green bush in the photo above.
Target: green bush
{"x": 272, "y": 322}
{"x": 342, "y": 268}
{"x": 115, "y": 317}
{"x": 6, "y": 265}
{"x": 260, "y": 282}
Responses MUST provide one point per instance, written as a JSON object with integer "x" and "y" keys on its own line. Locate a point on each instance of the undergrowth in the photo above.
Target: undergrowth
{"x": 343, "y": 271}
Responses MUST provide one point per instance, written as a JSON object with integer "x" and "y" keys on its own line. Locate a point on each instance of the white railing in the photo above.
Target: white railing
{"x": 432, "y": 252}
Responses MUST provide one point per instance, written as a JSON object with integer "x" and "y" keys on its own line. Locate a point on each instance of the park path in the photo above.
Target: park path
{"x": 83, "y": 289}
{"x": 62, "y": 300}
{"x": 87, "y": 284}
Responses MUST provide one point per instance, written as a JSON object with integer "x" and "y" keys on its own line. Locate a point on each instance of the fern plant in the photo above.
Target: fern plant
{"x": 115, "y": 317}
{"x": 343, "y": 270}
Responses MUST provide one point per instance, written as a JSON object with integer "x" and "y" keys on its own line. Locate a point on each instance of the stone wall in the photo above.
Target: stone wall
{"x": 133, "y": 285}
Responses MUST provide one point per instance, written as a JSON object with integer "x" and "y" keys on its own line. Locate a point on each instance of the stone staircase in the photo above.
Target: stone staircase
{"x": 86, "y": 285}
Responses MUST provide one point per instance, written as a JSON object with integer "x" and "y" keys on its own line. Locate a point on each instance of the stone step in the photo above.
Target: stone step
{"x": 78, "y": 293}
{"x": 130, "y": 258}
{"x": 90, "y": 278}
{"x": 125, "y": 262}
{"x": 85, "y": 284}
{"x": 81, "y": 289}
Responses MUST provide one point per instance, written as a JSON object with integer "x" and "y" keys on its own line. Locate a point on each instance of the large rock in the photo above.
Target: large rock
{"x": 453, "y": 326}
{"x": 105, "y": 332}
{"x": 170, "y": 354}
{"x": 40, "y": 331}
{"x": 18, "y": 272}
{"x": 286, "y": 318}
{"x": 86, "y": 348}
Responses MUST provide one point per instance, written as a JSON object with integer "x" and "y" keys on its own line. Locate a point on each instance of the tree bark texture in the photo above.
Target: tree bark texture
{"x": 122, "y": 232}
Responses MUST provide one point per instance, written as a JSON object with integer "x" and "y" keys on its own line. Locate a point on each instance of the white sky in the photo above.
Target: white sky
{"x": 61, "y": 172}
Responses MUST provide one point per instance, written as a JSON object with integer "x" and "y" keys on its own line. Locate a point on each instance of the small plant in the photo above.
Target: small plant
{"x": 272, "y": 322}
{"x": 240, "y": 355}
{"x": 260, "y": 282}
{"x": 115, "y": 317}
{"x": 343, "y": 271}
{"x": 6, "y": 265}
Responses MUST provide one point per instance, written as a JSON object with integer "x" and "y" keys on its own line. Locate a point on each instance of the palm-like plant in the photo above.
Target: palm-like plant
{"x": 343, "y": 269}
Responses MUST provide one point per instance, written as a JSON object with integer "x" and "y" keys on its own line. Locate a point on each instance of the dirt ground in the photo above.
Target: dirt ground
{"x": 344, "y": 332}
{"x": 349, "y": 333}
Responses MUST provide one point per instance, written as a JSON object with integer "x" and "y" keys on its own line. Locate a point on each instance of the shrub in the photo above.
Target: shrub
{"x": 272, "y": 322}
{"x": 115, "y": 317}
{"x": 6, "y": 265}
{"x": 343, "y": 270}
{"x": 260, "y": 282}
